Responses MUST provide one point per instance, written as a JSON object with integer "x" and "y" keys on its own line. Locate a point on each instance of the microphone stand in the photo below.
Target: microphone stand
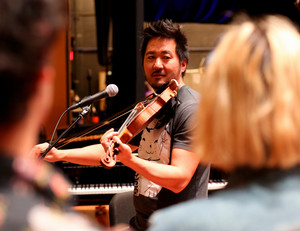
{"x": 83, "y": 113}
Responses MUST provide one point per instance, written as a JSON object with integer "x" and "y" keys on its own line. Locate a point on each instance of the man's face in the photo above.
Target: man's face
{"x": 161, "y": 62}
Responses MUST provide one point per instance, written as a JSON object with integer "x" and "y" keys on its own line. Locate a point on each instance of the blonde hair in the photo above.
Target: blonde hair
{"x": 249, "y": 113}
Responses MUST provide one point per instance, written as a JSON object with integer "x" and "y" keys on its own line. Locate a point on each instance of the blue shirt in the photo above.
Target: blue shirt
{"x": 260, "y": 201}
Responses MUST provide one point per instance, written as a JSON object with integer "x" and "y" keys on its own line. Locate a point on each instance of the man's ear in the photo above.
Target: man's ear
{"x": 45, "y": 88}
{"x": 41, "y": 100}
{"x": 47, "y": 74}
{"x": 183, "y": 65}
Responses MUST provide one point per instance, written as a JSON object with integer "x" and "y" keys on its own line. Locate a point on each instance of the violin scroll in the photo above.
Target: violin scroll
{"x": 109, "y": 160}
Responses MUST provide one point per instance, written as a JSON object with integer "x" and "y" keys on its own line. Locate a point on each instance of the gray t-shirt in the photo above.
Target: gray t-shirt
{"x": 171, "y": 130}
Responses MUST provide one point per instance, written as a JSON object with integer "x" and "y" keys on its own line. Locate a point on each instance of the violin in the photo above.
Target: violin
{"x": 138, "y": 120}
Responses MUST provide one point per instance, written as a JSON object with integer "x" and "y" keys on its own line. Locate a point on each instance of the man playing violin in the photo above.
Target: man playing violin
{"x": 167, "y": 171}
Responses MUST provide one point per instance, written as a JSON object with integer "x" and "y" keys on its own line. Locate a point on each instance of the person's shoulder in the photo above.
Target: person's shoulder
{"x": 187, "y": 100}
{"x": 183, "y": 216}
{"x": 188, "y": 90}
{"x": 44, "y": 178}
{"x": 234, "y": 209}
{"x": 186, "y": 93}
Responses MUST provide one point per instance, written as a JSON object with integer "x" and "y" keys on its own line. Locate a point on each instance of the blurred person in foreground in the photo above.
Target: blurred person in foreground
{"x": 248, "y": 125}
{"x": 33, "y": 196}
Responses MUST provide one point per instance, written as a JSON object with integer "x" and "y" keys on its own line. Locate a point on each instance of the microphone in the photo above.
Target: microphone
{"x": 110, "y": 91}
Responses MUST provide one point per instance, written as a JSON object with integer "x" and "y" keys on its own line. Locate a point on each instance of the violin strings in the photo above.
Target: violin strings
{"x": 70, "y": 139}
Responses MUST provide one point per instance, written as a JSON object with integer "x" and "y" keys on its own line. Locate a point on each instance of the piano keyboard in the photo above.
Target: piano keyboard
{"x": 111, "y": 188}
{"x": 94, "y": 189}
{"x": 216, "y": 185}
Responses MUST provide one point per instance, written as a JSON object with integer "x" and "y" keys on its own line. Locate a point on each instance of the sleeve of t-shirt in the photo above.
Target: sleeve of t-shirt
{"x": 182, "y": 127}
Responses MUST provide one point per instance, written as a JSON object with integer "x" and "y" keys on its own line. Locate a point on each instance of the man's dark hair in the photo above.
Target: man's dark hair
{"x": 166, "y": 29}
{"x": 27, "y": 31}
